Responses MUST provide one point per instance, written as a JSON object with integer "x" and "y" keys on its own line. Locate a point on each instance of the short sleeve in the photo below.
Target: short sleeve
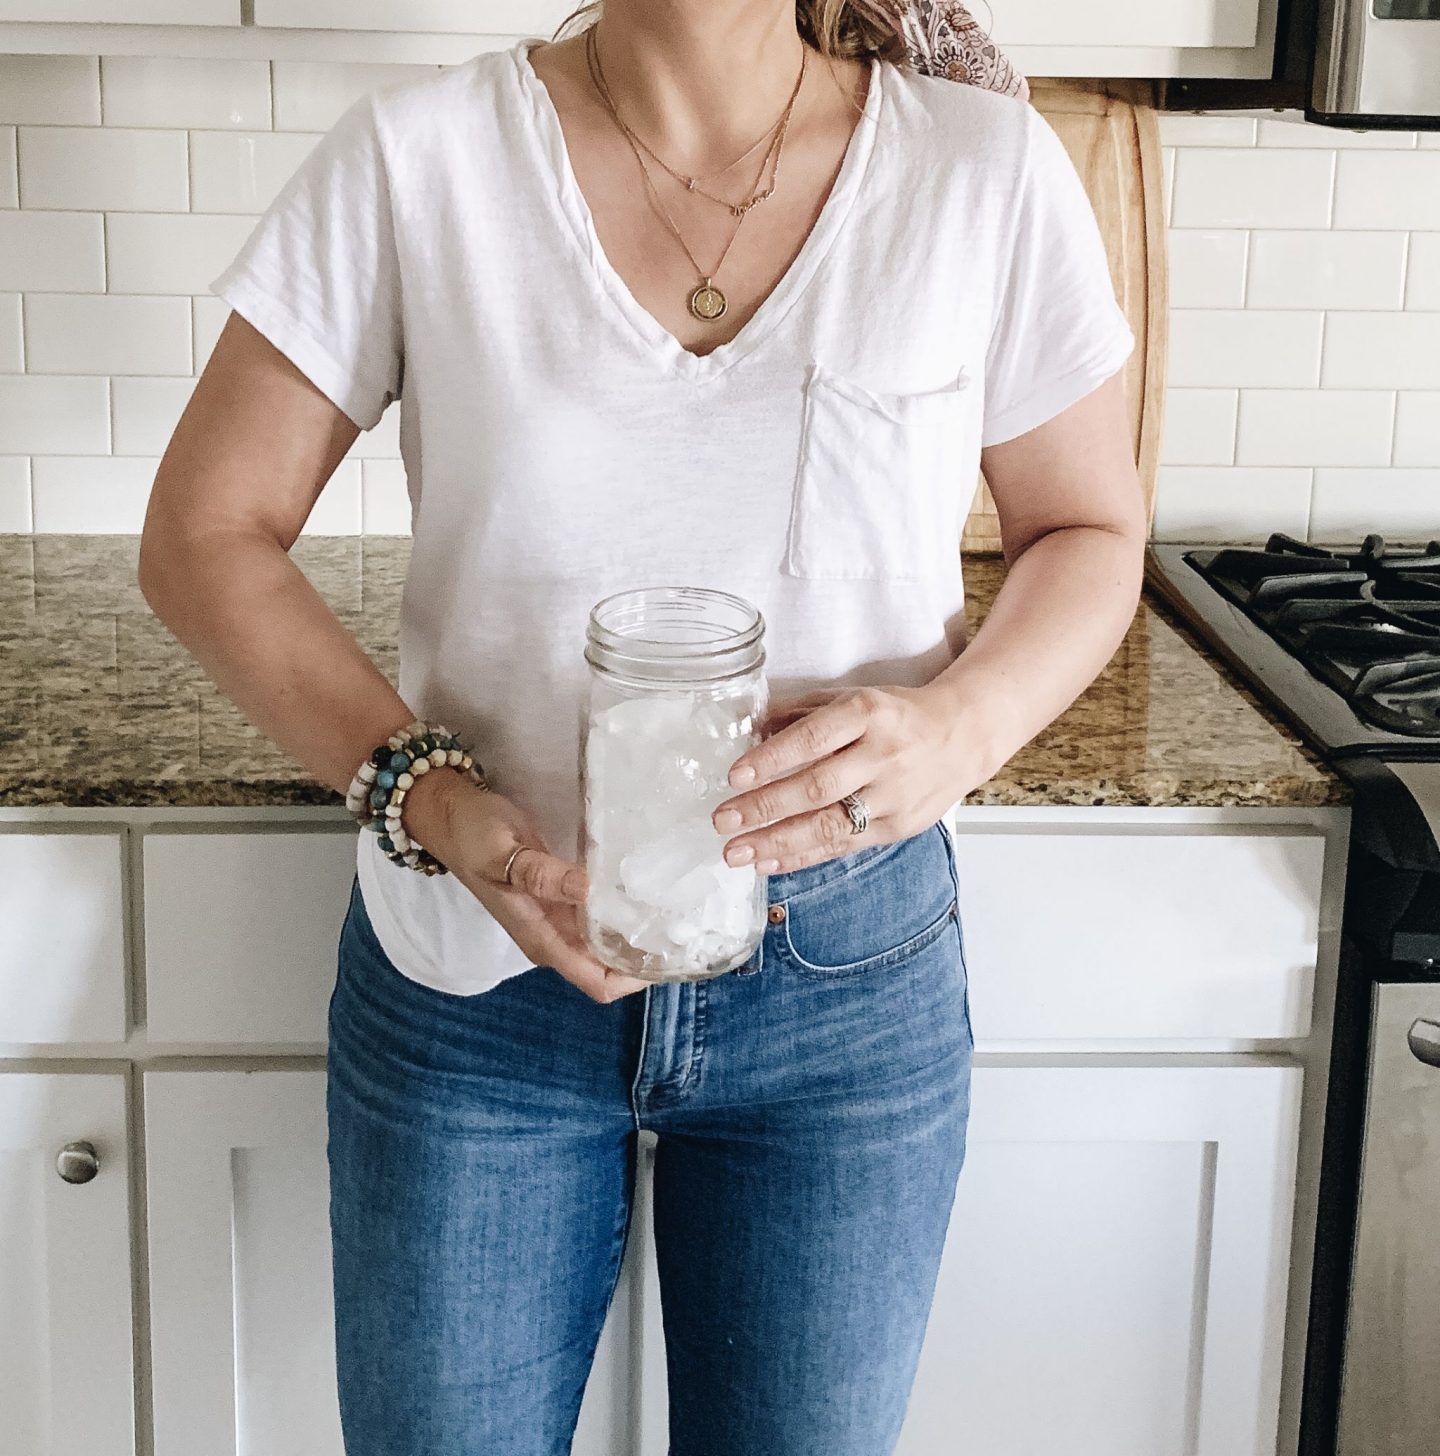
{"x": 319, "y": 275}
{"x": 1059, "y": 331}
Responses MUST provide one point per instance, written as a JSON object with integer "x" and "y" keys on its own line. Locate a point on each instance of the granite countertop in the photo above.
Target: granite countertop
{"x": 100, "y": 706}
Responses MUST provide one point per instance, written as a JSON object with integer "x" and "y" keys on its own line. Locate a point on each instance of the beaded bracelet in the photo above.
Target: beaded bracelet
{"x": 377, "y": 792}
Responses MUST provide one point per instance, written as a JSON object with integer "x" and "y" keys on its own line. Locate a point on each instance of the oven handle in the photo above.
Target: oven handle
{"x": 1424, "y": 1041}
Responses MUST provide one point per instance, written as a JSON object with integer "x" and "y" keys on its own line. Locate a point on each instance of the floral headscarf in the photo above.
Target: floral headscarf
{"x": 945, "y": 40}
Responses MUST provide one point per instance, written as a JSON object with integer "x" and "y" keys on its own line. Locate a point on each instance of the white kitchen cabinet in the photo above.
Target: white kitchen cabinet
{"x": 242, "y": 1314}
{"x": 459, "y": 17}
{"x": 241, "y": 933}
{"x": 1115, "y": 1275}
{"x": 66, "y": 1372}
{"x": 1187, "y": 23}
{"x": 62, "y": 959}
{"x": 124, "y": 12}
{"x": 1074, "y": 935}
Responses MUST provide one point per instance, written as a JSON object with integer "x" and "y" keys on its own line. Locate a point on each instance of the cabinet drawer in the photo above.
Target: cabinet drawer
{"x": 62, "y": 971}
{"x": 133, "y": 12}
{"x": 1140, "y": 936}
{"x": 241, "y": 933}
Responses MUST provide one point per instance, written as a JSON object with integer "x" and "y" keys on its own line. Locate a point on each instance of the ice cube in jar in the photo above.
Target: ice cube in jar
{"x": 676, "y": 692}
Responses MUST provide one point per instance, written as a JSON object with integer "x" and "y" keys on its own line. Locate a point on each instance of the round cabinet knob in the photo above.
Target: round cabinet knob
{"x": 1424, "y": 1039}
{"x": 78, "y": 1162}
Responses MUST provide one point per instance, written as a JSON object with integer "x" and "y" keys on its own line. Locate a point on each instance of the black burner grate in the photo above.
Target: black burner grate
{"x": 1367, "y": 622}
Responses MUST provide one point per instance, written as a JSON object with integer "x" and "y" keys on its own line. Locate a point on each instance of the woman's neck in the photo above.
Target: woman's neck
{"x": 697, "y": 78}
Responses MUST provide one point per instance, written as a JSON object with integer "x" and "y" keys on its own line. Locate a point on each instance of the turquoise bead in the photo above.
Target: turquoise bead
{"x": 386, "y": 843}
{"x": 379, "y": 798}
{"x": 399, "y": 762}
{"x": 385, "y": 779}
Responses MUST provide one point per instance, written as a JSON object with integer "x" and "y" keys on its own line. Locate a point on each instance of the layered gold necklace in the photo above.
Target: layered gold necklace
{"x": 706, "y": 301}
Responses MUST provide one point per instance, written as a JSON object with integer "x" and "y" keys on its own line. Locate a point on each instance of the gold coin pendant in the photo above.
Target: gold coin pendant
{"x": 707, "y": 302}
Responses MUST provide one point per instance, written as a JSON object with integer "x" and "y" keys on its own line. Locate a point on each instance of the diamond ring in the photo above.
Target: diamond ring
{"x": 858, "y": 812}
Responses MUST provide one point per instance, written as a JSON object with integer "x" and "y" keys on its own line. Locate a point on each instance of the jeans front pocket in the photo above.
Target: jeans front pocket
{"x": 878, "y": 490}
{"x": 890, "y": 907}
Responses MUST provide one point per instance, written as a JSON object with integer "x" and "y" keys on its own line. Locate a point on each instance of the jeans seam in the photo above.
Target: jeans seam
{"x": 640, "y": 1060}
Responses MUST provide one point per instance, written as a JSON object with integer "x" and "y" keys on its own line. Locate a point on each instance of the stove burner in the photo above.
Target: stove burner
{"x": 1365, "y": 622}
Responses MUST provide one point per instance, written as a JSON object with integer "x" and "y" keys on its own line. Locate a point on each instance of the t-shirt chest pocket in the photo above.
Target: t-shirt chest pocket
{"x": 878, "y": 487}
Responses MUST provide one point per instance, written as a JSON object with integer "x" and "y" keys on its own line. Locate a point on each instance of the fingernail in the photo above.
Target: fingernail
{"x": 727, "y": 820}
{"x": 739, "y": 854}
{"x": 742, "y": 775}
{"x": 767, "y": 866}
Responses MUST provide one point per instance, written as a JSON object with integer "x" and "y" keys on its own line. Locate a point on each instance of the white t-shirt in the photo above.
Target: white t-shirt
{"x": 561, "y": 445}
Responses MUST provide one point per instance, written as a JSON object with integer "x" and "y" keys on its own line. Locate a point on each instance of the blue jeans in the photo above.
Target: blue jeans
{"x": 810, "y": 1111}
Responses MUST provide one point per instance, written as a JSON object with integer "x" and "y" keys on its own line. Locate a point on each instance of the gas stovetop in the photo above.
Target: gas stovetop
{"x": 1345, "y": 642}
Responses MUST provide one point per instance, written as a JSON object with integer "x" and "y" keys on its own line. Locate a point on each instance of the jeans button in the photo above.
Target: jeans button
{"x": 776, "y": 915}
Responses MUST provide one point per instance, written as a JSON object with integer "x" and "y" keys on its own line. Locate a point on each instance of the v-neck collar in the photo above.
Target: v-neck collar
{"x": 579, "y": 222}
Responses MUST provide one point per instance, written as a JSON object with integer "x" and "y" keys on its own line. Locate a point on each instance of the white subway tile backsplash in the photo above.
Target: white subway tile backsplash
{"x": 91, "y": 495}
{"x": 171, "y": 253}
{"x": 151, "y": 91}
{"x": 385, "y": 504}
{"x": 1255, "y": 188}
{"x": 9, "y": 169}
{"x": 49, "y": 415}
{"x": 1417, "y": 428}
{"x": 1292, "y": 130}
{"x": 1422, "y": 289}
{"x": 96, "y": 169}
{"x": 50, "y": 90}
{"x": 337, "y": 511}
{"x": 1245, "y": 348}
{"x": 243, "y": 171}
{"x": 144, "y": 413}
{"x": 1382, "y": 351}
{"x": 1216, "y": 503}
{"x": 1388, "y": 190}
{"x": 1207, "y": 268}
{"x": 15, "y": 494}
{"x": 1199, "y": 427}
{"x": 1167, "y": 159}
{"x": 1314, "y": 427}
{"x": 12, "y": 339}
{"x": 54, "y": 251}
{"x": 210, "y": 314}
{"x": 1326, "y": 270}
{"x": 1401, "y": 504}
{"x": 71, "y": 333}
{"x": 313, "y": 95}
{"x": 1196, "y": 129}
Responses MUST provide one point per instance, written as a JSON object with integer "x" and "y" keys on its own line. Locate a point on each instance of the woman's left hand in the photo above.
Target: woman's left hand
{"x": 908, "y": 752}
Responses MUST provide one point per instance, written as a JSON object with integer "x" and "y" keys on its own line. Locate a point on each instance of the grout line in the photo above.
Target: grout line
{"x": 1320, "y": 357}
{"x": 270, "y": 89}
{"x": 1334, "y": 179}
{"x": 1394, "y": 415}
{"x": 1405, "y": 271}
{"x": 1310, "y": 508}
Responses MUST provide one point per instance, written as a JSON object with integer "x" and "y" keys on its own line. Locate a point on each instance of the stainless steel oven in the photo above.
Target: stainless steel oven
{"x": 1377, "y": 59}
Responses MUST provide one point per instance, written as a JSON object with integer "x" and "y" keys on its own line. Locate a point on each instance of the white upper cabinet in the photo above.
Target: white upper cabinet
{"x": 66, "y": 1366}
{"x": 62, "y": 969}
{"x": 1189, "y": 23}
{"x": 458, "y": 17}
{"x": 125, "y": 12}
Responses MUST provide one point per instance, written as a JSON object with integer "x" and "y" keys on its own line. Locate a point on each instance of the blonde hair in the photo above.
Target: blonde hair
{"x": 845, "y": 29}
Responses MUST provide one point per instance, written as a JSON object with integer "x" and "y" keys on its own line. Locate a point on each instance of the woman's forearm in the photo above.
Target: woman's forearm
{"x": 272, "y": 645}
{"x": 1062, "y": 612}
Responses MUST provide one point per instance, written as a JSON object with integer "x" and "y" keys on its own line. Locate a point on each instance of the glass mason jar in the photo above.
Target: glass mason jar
{"x": 677, "y": 688}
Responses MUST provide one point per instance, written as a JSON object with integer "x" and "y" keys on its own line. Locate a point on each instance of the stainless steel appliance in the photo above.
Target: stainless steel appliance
{"x": 1347, "y": 645}
{"x": 1352, "y": 63}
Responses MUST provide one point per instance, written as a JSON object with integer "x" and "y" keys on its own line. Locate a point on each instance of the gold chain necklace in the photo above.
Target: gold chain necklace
{"x": 692, "y": 183}
{"x": 705, "y": 301}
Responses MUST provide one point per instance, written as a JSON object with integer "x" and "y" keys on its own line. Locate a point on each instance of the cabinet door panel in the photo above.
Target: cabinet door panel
{"x": 241, "y": 933}
{"x": 242, "y": 1311}
{"x": 1133, "y": 936}
{"x": 1197, "y": 23}
{"x": 1115, "y": 1275}
{"x": 66, "y": 1372}
{"x": 459, "y": 17}
{"x": 62, "y": 971}
{"x": 132, "y": 12}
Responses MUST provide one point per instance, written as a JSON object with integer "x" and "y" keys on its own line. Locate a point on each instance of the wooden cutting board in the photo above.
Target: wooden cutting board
{"x": 1109, "y": 129}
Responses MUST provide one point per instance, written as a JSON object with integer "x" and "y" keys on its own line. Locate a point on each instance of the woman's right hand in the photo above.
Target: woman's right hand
{"x": 473, "y": 832}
